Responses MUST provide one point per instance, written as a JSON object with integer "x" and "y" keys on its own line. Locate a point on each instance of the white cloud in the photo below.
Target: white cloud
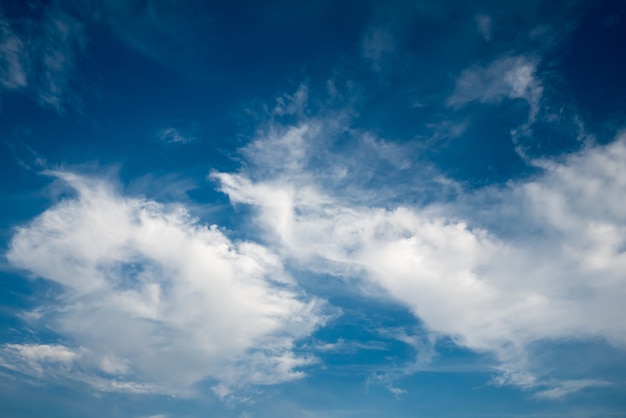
{"x": 173, "y": 135}
{"x": 568, "y": 387}
{"x": 343, "y": 346}
{"x": 512, "y": 377}
{"x": 43, "y": 352}
{"x": 35, "y": 357}
{"x": 154, "y": 301}
{"x": 292, "y": 104}
{"x": 509, "y": 77}
{"x": 386, "y": 381}
{"x": 545, "y": 388}
{"x": 556, "y": 274}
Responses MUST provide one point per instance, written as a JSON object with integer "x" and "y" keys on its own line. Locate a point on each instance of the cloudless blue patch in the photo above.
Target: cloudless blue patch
{"x": 595, "y": 63}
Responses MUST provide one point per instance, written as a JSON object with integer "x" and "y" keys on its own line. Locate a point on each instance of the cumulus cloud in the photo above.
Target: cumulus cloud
{"x": 505, "y": 78}
{"x": 153, "y": 301}
{"x": 557, "y": 272}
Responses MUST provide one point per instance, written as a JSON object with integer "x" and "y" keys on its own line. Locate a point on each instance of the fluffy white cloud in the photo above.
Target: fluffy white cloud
{"x": 151, "y": 300}
{"x": 557, "y": 272}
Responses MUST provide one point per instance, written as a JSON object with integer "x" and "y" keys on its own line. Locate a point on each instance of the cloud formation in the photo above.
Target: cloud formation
{"x": 12, "y": 57}
{"x": 377, "y": 44}
{"x": 484, "y": 25}
{"x": 56, "y": 55}
{"x": 34, "y": 357}
{"x": 555, "y": 272}
{"x": 41, "y": 56}
{"x": 504, "y": 78}
{"x": 152, "y": 301}
{"x": 174, "y": 136}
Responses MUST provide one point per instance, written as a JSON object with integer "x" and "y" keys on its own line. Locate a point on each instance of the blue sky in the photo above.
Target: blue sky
{"x": 312, "y": 209}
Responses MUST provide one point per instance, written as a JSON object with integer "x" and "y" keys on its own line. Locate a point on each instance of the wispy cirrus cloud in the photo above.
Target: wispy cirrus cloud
{"x": 174, "y": 136}
{"x": 152, "y": 301}
{"x": 484, "y": 25}
{"x": 504, "y": 78}
{"x": 62, "y": 37}
{"x": 546, "y": 388}
{"x": 564, "y": 388}
{"x": 12, "y": 59}
{"x": 377, "y": 44}
{"x": 40, "y": 56}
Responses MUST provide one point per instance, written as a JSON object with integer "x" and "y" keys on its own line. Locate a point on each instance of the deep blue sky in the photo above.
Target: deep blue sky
{"x": 312, "y": 209}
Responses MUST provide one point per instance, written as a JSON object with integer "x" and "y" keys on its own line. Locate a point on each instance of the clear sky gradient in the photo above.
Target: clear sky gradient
{"x": 312, "y": 209}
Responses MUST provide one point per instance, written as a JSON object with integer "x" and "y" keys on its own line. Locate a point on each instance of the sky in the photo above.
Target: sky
{"x": 312, "y": 209}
